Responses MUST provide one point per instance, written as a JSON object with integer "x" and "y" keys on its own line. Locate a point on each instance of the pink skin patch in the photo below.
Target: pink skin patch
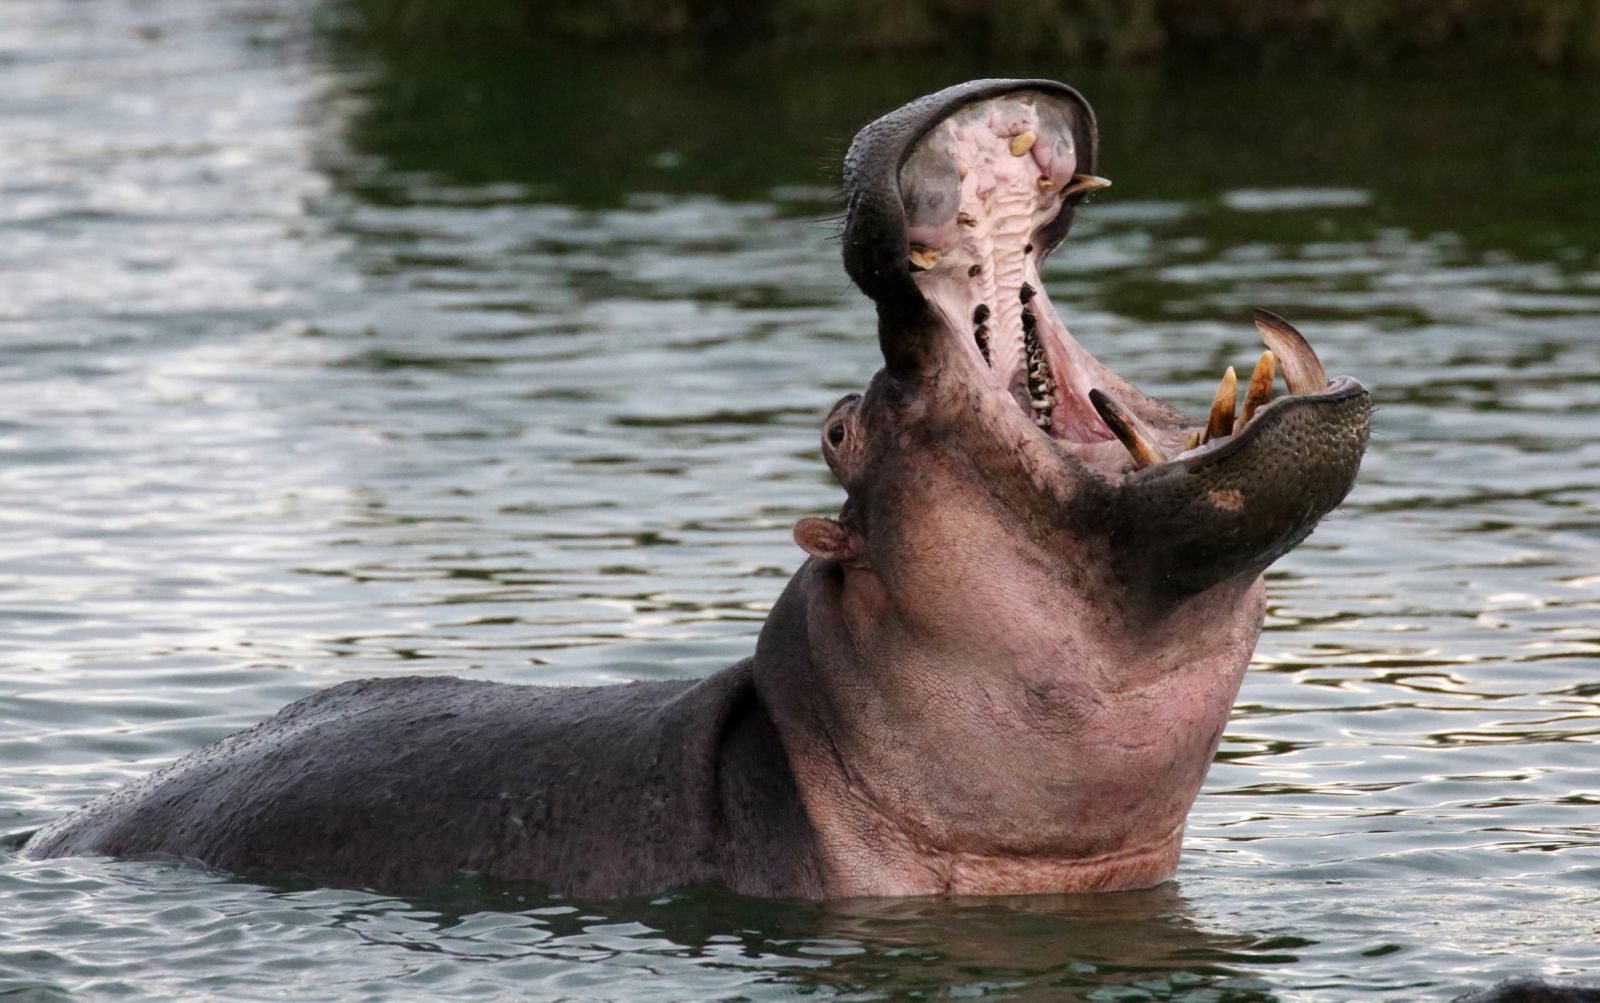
{"x": 978, "y": 189}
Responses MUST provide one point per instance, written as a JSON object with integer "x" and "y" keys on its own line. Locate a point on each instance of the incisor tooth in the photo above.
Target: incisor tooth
{"x": 924, "y": 257}
{"x": 1222, "y": 407}
{"x": 1302, "y": 370}
{"x": 1260, "y": 387}
{"x": 1022, "y": 142}
{"x": 1139, "y": 440}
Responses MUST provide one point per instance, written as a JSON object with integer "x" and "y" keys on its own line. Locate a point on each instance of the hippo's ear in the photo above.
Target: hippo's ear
{"x": 825, "y": 540}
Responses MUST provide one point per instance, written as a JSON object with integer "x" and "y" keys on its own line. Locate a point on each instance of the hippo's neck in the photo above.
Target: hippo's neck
{"x": 1047, "y": 766}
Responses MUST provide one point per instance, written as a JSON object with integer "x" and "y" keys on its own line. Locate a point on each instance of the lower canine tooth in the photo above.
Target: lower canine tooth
{"x": 1139, "y": 440}
{"x": 1260, "y": 388}
{"x": 1222, "y": 406}
{"x": 1302, "y": 370}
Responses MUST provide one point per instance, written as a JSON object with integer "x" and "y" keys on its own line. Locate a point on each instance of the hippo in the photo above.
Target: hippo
{"x": 1532, "y": 989}
{"x": 1004, "y": 667}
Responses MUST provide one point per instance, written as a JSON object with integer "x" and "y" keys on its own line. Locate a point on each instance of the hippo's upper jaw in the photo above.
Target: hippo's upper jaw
{"x": 955, "y": 202}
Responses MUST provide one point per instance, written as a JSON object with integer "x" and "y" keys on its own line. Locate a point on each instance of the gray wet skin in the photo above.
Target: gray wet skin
{"x": 1005, "y": 667}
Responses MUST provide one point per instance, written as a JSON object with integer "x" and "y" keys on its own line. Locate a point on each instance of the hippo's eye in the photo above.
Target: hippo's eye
{"x": 836, "y": 432}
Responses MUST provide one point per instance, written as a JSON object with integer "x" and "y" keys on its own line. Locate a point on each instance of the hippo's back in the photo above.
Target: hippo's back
{"x": 387, "y": 782}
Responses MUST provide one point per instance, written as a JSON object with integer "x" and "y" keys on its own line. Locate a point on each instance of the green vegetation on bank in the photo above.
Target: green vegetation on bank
{"x": 1356, "y": 32}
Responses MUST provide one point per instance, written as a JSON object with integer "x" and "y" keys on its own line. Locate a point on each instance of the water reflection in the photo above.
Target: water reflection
{"x": 1133, "y": 946}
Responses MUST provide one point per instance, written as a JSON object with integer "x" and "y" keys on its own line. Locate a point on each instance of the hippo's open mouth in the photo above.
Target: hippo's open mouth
{"x": 956, "y": 200}
{"x": 988, "y": 192}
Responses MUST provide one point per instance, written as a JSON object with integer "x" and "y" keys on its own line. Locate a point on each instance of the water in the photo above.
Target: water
{"x": 326, "y": 361}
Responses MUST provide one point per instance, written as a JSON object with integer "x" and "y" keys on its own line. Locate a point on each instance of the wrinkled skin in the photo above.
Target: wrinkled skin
{"x": 1005, "y": 667}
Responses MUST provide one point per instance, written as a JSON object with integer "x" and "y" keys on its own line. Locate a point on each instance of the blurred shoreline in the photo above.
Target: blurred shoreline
{"x": 1232, "y": 33}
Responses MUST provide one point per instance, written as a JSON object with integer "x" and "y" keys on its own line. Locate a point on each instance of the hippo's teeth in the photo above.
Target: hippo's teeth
{"x": 966, "y": 219}
{"x": 1222, "y": 406}
{"x": 1045, "y": 184}
{"x": 924, "y": 258}
{"x": 1302, "y": 370}
{"x": 1083, "y": 184}
{"x": 1139, "y": 440}
{"x": 1260, "y": 387}
{"x": 980, "y": 331}
{"x": 1022, "y": 142}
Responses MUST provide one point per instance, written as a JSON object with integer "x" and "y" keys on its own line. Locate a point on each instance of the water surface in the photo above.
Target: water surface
{"x": 327, "y": 360}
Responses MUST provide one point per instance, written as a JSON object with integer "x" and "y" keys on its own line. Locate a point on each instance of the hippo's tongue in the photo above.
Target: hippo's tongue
{"x": 979, "y": 191}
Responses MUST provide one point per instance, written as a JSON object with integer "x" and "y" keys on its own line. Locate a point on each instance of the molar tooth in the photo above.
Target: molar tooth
{"x": 1045, "y": 184}
{"x": 1022, "y": 142}
{"x": 1222, "y": 406}
{"x": 1044, "y": 403}
{"x": 924, "y": 258}
{"x": 1083, "y": 184}
{"x": 1134, "y": 435}
{"x": 1260, "y": 387}
{"x": 1302, "y": 370}
{"x": 980, "y": 313}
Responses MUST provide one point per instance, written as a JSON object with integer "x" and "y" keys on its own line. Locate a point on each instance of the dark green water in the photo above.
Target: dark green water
{"x": 325, "y": 362}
